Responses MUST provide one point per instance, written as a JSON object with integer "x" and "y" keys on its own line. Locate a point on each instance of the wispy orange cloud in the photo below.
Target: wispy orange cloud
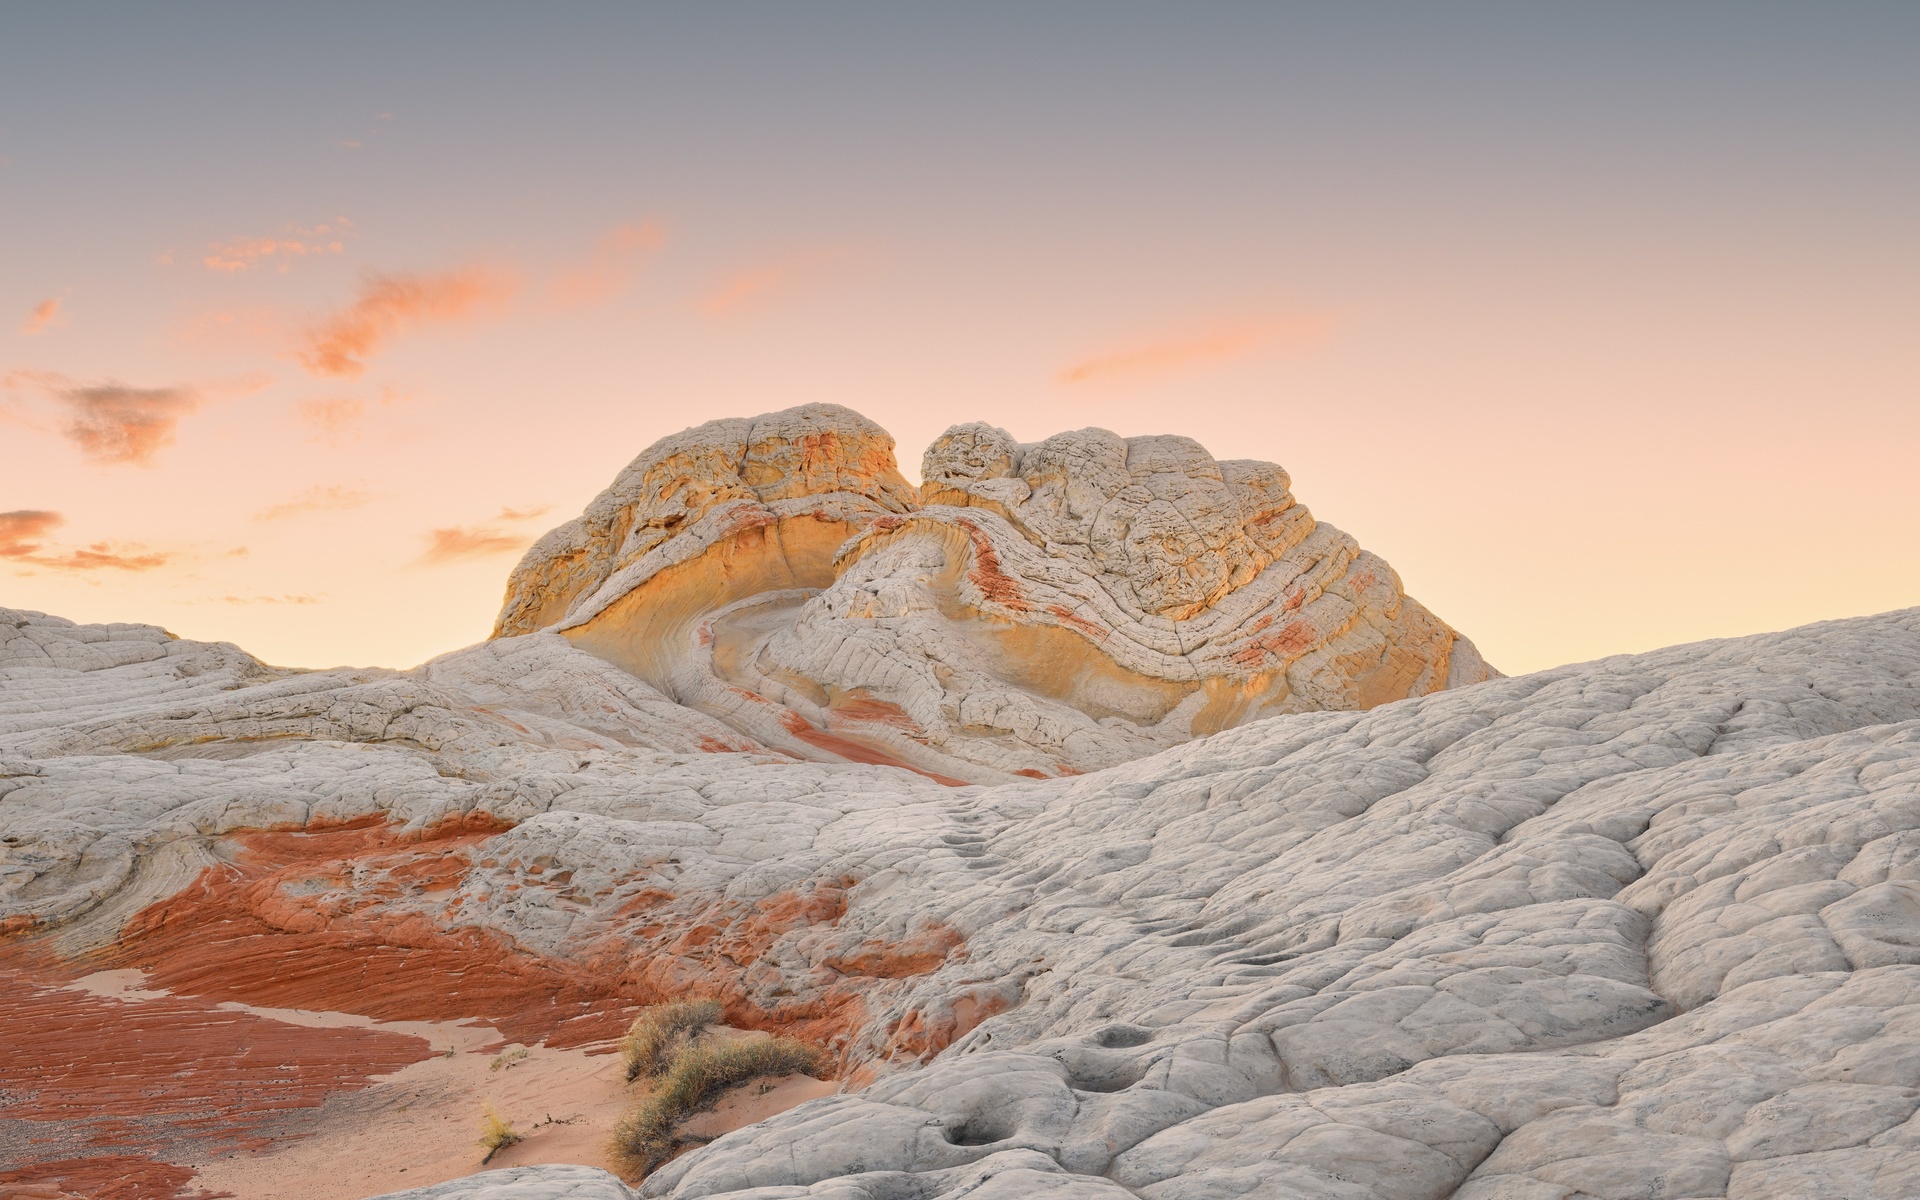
{"x": 42, "y": 318}
{"x": 339, "y": 346}
{"x": 462, "y": 542}
{"x": 337, "y": 420}
{"x": 113, "y": 423}
{"x": 762, "y": 285}
{"x": 243, "y": 254}
{"x": 21, "y": 529}
{"x": 611, "y": 267}
{"x": 1227, "y": 340}
{"x": 524, "y": 514}
{"x": 331, "y": 418}
{"x": 103, "y": 556}
{"x": 271, "y": 599}
{"x": 315, "y": 499}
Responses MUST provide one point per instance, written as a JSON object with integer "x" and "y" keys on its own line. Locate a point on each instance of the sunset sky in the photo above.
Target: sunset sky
{"x": 1600, "y": 323}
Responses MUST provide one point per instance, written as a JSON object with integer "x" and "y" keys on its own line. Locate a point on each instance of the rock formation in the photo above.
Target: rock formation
{"x": 1035, "y": 610}
{"x": 1644, "y": 927}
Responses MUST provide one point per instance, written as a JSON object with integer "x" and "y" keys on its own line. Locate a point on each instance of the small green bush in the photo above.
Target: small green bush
{"x": 695, "y": 1077}
{"x": 661, "y": 1030}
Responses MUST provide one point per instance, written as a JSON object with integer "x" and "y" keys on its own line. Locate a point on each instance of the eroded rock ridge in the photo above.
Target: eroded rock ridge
{"x": 1031, "y": 610}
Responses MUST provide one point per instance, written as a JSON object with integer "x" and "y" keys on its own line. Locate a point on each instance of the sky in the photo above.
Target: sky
{"x": 1601, "y": 323}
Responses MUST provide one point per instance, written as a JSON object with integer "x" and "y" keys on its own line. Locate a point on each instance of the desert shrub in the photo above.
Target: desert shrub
{"x": 496, "y": 1132}
{"x": 693, "y": 1080}
{"x": 506, "y": 1058}
{"x": 662, "y": 1029}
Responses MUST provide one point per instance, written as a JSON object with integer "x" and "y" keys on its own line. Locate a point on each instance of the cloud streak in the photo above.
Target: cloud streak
{"x": 21, "y": 532}
{"x": 315, "y": 499}
{"x": 21, "y": 529}
{"x": 1227, "y": 340}
{"x": 244, "y": 254}
{"x": 43, "y": 317}
{"x": 112, "y": 423}
{"x": 610, "y": 268}
{"x": 762, "y": 285}
{"x": 388, "y": 305}
{"x": 464, "y": 542}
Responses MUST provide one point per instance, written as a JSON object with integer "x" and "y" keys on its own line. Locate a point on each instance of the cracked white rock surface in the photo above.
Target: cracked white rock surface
{"x": 1643, "y": 927}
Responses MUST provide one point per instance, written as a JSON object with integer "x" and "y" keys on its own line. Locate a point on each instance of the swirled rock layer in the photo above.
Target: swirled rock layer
{"x": 1032, "y": 610}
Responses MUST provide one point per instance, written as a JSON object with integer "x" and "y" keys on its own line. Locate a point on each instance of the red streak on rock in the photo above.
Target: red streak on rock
{"x": 986, "y": 574}
{"x": 854, "y": 751}
{"x": 920, "y": 953}
{"x": 1030, "y": 773}
{"x": 305, "y": 920}
{"x": 1290, "y": 642}
{"x": 884, "y": 712}
{"x": 1077, "y": 621}
{"x": 103, "y": 1177}
{"x": 920, "y": 1034}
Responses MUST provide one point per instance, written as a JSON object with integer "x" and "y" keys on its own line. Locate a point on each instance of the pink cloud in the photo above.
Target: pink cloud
{"x": 337, "y": 420}
{"x": 21, "y": 529}
{"x": 103, "y": 556}
{"x": 463, "y": 542}
{"x": 315, "y": 499}
{"x": 331, "y": 418}
{"x": 763, "y": 284}
{"x": 1226, "y": 340}
{"x": 113, "y": 423}
{"x": 610, "y": 268}
{"x": 43, "y": 317}
{"x": 243, "y": 254}
{"x": 388, "y": 305}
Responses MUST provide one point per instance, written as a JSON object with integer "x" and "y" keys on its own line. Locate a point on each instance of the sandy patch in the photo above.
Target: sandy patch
{"x": 422, "y": 1124}
{"x": 755, "y": 1101}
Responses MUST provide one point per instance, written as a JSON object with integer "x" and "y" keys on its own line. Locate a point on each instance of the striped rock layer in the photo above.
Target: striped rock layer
{"x": 1030, "y": 610}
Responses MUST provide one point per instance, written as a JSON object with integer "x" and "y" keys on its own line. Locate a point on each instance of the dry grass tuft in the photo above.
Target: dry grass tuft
{"x": 506, "y": 1058}
{"x": 693, "y": 1080}
{"x": 496, "y": 1132}
{"x": 660, "y": 1031}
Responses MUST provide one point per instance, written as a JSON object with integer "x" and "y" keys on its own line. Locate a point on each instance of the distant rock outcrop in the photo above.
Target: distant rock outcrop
{"x": 1034, "y": 610}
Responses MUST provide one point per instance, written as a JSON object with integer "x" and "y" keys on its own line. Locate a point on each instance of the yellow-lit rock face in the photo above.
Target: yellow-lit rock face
{"x": 1038, "y": 609}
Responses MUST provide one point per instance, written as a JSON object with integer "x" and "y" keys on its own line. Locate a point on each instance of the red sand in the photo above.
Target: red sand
{"x": 332, "y": 920}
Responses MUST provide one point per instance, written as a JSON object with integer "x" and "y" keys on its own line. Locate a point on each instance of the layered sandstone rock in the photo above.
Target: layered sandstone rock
{"x": 1642, "y": 927}
{"x": 1037, "y": 610}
